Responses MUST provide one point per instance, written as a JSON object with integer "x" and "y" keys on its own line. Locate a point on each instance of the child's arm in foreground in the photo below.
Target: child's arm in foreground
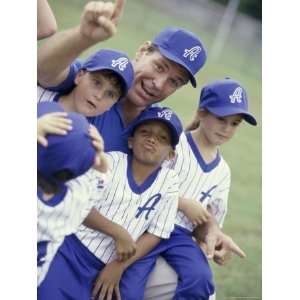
{"x": 125, "y": 246}
{"x": 108, "y": 279}
{"x": 193, "y": 210}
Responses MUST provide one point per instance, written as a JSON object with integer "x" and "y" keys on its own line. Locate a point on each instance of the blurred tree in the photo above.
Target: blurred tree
{"x": 249, "y": 7}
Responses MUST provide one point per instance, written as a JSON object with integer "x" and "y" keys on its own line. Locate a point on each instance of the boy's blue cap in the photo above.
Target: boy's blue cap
{"x": 182, "y": 47}
{"x": 224, "y": 98}
{"x": 116, "y": 61}
{"x": 162, "y": 114}
{"x": 73, "y": 152}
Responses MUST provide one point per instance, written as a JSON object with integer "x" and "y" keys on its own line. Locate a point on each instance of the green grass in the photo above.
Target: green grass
{"x": 241, "y": 278}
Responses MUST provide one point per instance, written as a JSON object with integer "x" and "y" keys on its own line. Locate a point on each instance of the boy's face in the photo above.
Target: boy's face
{"x": 155, "y": 78}
{"x": 218, "y": 130}
{"x": 94, "y": 93}
{"x": 151, "y": 143}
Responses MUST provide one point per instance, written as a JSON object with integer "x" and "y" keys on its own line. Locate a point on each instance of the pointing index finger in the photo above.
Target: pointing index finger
{"x": 119, "y": 7}
{"x": 237, "y": 250}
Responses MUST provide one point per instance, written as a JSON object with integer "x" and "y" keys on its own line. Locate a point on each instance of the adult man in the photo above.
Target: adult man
{"x": 161, "y": 67}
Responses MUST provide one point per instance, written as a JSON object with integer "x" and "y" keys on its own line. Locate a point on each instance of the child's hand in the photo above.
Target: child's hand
{"x": 125, "y": 245}
{"x": 108, "y": 281}
{"x": 52, "y": 123}
{"x": 100, "y": 163}
{"x": 194, "y": 211}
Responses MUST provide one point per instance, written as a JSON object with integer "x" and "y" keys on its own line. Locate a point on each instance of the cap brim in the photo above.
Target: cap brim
{"x": 228, "y": 111}
{"x": 172, "y": 57}
{"x": 175, "y": 137}
{"x": 119, "y": 74}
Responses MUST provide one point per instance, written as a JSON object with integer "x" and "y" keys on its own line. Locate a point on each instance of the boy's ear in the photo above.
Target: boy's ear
{"x": 130, "y": 142}
{"x": 142, "y": 50}
{"x": 79, "y": 75}
{"x": 201, "y": 114}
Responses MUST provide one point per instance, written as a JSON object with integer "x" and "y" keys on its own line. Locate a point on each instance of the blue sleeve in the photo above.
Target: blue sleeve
{"x": 68, "y": 84}
{"x": 97, "y": 121}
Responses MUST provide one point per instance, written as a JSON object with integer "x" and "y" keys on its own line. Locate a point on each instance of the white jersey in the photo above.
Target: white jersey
{"x": 44, "y": 95}
{"x": 207, "y": 183}
{"x": 151, "y": 207}
{"x": 63, "y": 214}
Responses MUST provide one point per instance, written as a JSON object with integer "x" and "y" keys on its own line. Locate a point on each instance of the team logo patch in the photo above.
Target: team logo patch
{"x": 148, "y": 206}
{"x": 237, "y": 95}
{"x": 166, "y": 113}
{"x": 121, "y": 62}
{"x": 207, "y": 194}
{"x": 192, "y": 53}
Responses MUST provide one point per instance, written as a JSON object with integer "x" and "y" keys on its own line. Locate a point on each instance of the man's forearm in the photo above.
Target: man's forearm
{"x": 46, "y": 22}
{"x": 57, "y": 53}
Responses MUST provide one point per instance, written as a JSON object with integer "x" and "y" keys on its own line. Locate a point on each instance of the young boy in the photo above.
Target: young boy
{"x": 100, "y": 81}
{"x": 141, "y": 196}
{"x": 204, "y": 177}
{"x": 63, "y": 204}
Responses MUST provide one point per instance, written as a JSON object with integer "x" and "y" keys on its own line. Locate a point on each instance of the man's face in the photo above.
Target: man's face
{"x": 218, "y": 130}
{"x": 151, "y": 143}
{"x": 156, "y": 78}
{"x": 94, "y": 93}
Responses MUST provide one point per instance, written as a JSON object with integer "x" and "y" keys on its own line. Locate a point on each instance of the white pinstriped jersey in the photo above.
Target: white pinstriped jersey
{"x": 44, "y": 95}
{"x": 207, "y": 183}
{"x": 150, "y": 207}
{"x": 63, "y": 214}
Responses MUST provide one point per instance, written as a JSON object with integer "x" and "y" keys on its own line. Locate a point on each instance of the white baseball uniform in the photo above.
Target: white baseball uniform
{"x": 62, "y": 215}
{"x": 150, "y": 207}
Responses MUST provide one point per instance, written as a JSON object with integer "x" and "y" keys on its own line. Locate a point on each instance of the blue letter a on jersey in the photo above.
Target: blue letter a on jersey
{"x": 152, "y": 201}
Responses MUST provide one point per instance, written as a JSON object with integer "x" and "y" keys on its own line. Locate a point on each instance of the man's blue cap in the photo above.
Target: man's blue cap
{"x": 224, "y": 98}
{"x": 73, "y": 152}
{"x": 182, "y": 47}
{"x": 161, "y": 114}
{"x": 116, "y": 61}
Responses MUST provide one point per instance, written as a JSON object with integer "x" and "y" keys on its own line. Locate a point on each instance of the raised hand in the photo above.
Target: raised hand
{"x": 99, "y": 19}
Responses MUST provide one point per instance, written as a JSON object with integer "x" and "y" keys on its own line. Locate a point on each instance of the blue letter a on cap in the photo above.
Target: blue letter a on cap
{"x": 152, "y": 201}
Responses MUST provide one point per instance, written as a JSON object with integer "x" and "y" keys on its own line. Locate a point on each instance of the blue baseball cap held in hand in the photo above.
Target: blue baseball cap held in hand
{"x": 224, "y": 98}
{"x": 162, "y": 114}
{"x": 73, "y": 152}
{"x": 116, "y": 61}
{"x": 183, "y": 47}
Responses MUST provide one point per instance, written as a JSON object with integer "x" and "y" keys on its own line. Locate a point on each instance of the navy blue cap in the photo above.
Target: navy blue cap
{"x": 224, "y": 98}
{"x": 183, "y": 47}
{"x": 116, "y": 61}
{"x": 162, "y": 114}
{"x": 73, "y": 152}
